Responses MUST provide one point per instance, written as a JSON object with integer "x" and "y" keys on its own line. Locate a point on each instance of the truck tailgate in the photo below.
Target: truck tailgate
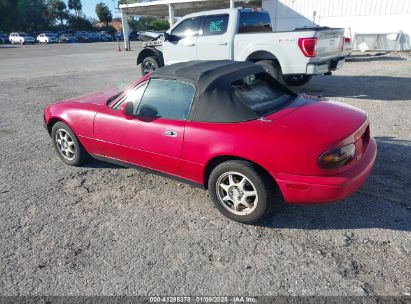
{"x": 329, "y": 43}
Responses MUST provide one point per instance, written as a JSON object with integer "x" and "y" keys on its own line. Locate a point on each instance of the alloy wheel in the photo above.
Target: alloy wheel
{"x": 237, "y": 193}
{"x": 148, "y": 67}
{"x": 65, "y": 144}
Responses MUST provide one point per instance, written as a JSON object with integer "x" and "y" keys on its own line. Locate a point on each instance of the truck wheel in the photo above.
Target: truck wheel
{"x": 149, "y": 64}
{"x": 273, "y": 68}
{"x": 297, "y": 80}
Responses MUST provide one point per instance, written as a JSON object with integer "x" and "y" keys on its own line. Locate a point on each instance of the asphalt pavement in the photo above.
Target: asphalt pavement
{"x": 107, "y": 230}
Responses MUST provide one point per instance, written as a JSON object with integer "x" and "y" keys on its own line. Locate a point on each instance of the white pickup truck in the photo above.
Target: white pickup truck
{"x": 246, "y": 35}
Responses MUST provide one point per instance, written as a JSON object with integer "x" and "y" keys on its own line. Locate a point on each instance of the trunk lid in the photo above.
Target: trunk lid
{"x": 315, "y": 125}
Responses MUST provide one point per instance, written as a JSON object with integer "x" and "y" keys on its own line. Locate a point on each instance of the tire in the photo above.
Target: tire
{"x": 273, "y": 68}
{"x": 229, "y": 199}
{"x": 21, "y": 42}
{"x": 297, "y": 80}
{"x": 70, "y": 142}
{"x": 149, "y": 64}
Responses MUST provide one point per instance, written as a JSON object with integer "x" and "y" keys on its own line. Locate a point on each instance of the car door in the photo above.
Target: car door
{"x": 215, "y": 41}
{"x": 153, "y": 138}
{"x": 182, "y": 43}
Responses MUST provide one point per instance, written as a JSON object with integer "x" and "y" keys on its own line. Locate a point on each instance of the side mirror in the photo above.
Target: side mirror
{"x": 166, "y": 36}
{"x": 128, "y": 109}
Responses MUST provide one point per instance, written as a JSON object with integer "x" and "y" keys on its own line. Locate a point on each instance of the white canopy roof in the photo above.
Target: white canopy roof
{"x": 160, "y": 8}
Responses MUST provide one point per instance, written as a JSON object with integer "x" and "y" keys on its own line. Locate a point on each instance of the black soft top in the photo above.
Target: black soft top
{"x": 215, "y": 99}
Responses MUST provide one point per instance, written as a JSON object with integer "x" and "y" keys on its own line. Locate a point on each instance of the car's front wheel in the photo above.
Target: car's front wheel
{"x": 149, "y": 64}
{"x": 68, "y": 147}
{"x": 241, "y": 191}
{"x": 21, "y": 42}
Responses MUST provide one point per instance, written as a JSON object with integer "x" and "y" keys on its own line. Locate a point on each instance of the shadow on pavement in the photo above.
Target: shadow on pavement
{"x": 382, "y": 202}
{"x": 98, "y": 164}
{"x": 387, "y": 88}
{"x": 373, "y": 57}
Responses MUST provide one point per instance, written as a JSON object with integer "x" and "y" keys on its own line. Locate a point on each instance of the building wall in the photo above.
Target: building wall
{"x": 355, "y": 16}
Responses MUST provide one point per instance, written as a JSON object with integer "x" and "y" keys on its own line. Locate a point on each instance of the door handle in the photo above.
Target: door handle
{"x": 170, "y": 133}
{"x": 190, "y": 44}
{"x": 222, "y": 43}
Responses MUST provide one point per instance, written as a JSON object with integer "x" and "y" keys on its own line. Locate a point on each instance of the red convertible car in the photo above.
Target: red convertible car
{"x": 226, "y": 126}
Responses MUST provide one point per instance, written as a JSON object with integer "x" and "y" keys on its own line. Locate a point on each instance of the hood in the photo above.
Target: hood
{"x": 97, "y": 98}
{"x": 326, "y": 122}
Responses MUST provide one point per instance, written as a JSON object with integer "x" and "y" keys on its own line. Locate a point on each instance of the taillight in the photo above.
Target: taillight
{"x": 308, "y": 46}
{"x": 347, "y": 40}
{"x": 337, "y": 158}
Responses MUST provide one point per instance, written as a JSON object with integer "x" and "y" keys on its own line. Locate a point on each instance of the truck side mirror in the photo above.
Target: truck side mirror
{"x": 166, "y": 36}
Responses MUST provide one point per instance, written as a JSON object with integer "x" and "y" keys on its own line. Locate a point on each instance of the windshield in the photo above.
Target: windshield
{"x": 23, "y": 34}
{"x": 262, "y": 93}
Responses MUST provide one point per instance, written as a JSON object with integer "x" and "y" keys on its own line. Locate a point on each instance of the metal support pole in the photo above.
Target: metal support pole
{"x": 124, "y": 22}
{"x": 232, "y": 4}
{"x": 171, "y": 14}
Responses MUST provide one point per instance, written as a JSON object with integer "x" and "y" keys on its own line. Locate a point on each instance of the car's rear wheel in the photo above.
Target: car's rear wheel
{"x": 297, "y": 80}
{"x": 149, "y": 64}
{"x": 241, "y": 191}
{"x": 273, "y": 68}
{"x": 68, "y": 147}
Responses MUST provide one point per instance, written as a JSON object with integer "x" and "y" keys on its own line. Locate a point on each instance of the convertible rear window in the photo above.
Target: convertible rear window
{"x": 261, "y": 93}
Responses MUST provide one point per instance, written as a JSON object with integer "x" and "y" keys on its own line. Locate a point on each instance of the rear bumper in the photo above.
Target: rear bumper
{"x": 325, "y": 67}
{"x": 323, "y": 189}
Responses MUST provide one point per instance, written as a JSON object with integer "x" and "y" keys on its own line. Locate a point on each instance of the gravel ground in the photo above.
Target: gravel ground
{"x": 107, "y": 230}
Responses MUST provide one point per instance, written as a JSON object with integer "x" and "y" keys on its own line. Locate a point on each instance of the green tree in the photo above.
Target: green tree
{"x": 104, "y": 13}
{"x": 76, "y": 6}
{"x": 23, "y": 15}
{"x": 148, "y": 24}
{"x": 79, "y": 23}
{"x": 58, "y": 10}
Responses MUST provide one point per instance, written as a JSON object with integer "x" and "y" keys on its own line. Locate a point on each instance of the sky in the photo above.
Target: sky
{"x": 89, "y": 7}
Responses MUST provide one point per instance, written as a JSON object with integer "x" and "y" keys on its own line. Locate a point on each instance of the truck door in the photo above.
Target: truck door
{"x": 182, "y": 43}
{"x": 215, "y": 41}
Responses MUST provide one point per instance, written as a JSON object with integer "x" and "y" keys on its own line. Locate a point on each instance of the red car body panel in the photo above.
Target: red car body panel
{"x": 287, "y": 144}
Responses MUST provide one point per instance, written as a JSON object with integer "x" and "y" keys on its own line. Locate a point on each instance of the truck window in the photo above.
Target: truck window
{"x": 187, "y": 28}
{"x": 215, "y": 25}
{"x": 254, "y": 22}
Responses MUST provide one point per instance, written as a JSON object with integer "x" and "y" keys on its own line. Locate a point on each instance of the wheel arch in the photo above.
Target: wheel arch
{"x": 217, "y": 160}
{"x": 262, "y": 55}
{"x": 148, "y": 52}
{"x": 52, "y": 121}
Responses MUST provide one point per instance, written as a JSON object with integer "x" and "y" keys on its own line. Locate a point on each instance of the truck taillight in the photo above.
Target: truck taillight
{"x": 347, "y": 40}
{"x": 308, "y": 46}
